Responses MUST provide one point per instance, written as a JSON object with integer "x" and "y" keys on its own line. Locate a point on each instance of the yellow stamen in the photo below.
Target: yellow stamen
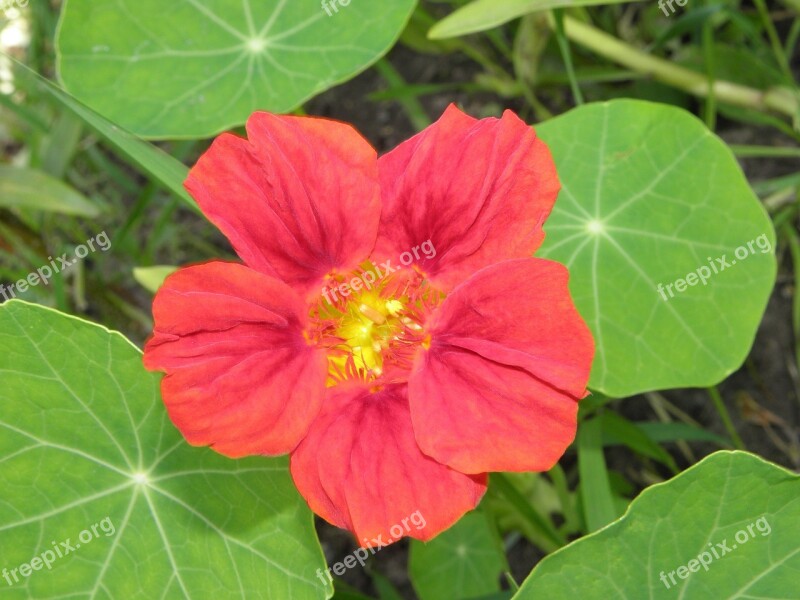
{"x": 372, "y": 314}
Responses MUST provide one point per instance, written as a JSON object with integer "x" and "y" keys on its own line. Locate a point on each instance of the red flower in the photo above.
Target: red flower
{"x": 388, "y": 327}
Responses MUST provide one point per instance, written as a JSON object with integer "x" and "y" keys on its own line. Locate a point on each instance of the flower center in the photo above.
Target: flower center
{"x": 372, "y": 327}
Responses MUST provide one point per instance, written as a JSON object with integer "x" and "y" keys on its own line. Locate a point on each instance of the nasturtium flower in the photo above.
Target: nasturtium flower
{"x": 388, "y": 328}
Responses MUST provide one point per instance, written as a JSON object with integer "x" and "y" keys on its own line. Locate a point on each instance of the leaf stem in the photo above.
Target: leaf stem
{"x": 416, "y": 113}
{"x": 566, "y": 54}
{"x": 595, "y": 486}
{"x": 778, "y": 99}
{"x": 708, "y": 54}
{"x": 726, "y": 417}
{"x": 774, "y": 40}
{"x": 743, "y": 151}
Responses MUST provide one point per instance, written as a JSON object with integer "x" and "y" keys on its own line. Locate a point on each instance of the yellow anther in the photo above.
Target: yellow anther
{"x": 394, "y": 307}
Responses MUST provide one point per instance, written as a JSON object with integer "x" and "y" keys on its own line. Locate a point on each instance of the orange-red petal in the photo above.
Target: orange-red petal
{"x": 240, "y": 376}
{"x": 479, "y": 190}
{"x": 509, "y": 358}
{"x": 361, "y": 469}
{"x": 298, "y": 199}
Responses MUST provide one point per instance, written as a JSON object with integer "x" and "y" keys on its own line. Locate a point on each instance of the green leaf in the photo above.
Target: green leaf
{"x": 463, "y": 562}
{"x": 619, "y": 430}
{"x": 648, "y": 196}
{"x": 736, "y": 64}
{"x": 669, "y": 432}
{"x": 85, "y": 441}
{"x": 194, "y": 69}
{"x": 595, "y": 488}
{"x": 733, "y": 499}
{"x": 532, "y": 518}
{"x": 162, "y": 167}
{"x": 415, "y": 35}
{"x": 152, "y": 278}
{"x": 61, "y": 143}
{"x": 481, "y": 15}
{"x": 29, "y": 188}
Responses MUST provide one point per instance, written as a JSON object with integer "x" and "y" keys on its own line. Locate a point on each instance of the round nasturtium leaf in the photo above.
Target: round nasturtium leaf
{"x": 724, "y": 528}
{"x": 463, "y": 562}
{"x": 649, "y": 196}
{"x": 193, "y": 68}
{"x": 102, "y": 494}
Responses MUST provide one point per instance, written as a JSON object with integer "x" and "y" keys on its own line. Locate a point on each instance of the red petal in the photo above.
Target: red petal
{"x": 360, "y": 469}
{"x": 240, "y": 375}
{"x": 285, "y": 197}
{"x": 509, "y": 357}
{"x": 478, "y": 190}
